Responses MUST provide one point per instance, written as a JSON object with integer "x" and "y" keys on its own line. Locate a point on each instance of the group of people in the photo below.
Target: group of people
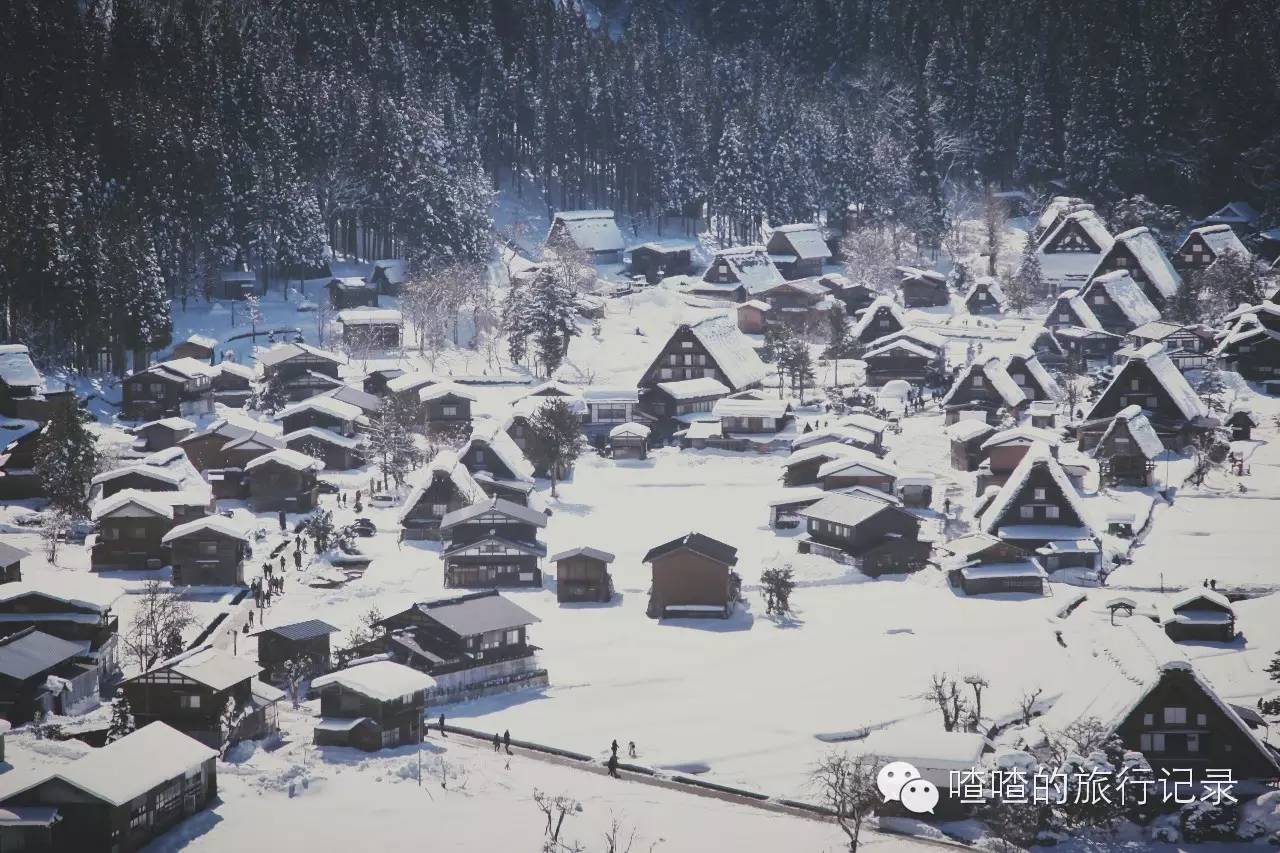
{"x": 264, "y": 588}
{"x": 613, "y": 756}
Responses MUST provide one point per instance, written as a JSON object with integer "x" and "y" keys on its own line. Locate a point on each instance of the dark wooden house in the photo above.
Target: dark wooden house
{"x": 904, "y": 355}
{"x": 922, "y": 288}
{"x": 298, "y": 641}
{"x": 1136, "y": 252}
{"x": 875, "y": 536}
{"x": 351, "y": 292}
{"x": 235, "y": 284}
{"x": 1150, "y": 381}
{"x": 854, "y": 297}
{"x": 299, "y": 370}
{"x": 881, "y": 318}
{"x": 984, "y": 386}
{"x": 193, "y": 691}
{"x": 337, "y": 452}
{"x": 582, "y": 574}
{"x": 162, "y": 434}
{"x": 629, "y": 441}
{"x": 1005, "y": 449}
{"x": 223, "y": 444}
{"x": 801, "y": 303}
{"x": 1187, "y": 344}
{"x": 28, "y": 658}
{"x": 446, "y": 408}
{"x": 1242, "y": 422}
{"x": 1251, "y": 344}
{"x": 117, "y": 798}
{"x": 11, "y": 563}
{"x": 370, "y": 329}
{"x": 662, "y": 258}
{"x": 737, "y": 274}
{"x": 966, "y": 437}
{"x": 375, "y": 382}
{"x": 283, "y": 480}
{"x": 1039, "y": 510}
{"x": 178, "y": 388}
{"x": 130, "y": 527}
{"x": 593, "y": 232}
{"x": 198, "y": 347}
{"x": 233, "y": 384}
{"x": 320, "y": 411}
{"x": 20, "y": 442}
{"x": 496, "y": 463}
{"x": 1199, "y": 615}
{"x": 473, "y": 645}
{"x": 985, "y": 296}
{"x": 753, "y": 316}
{"x": 858, "y": 468}
{"x": 981, "y": 564}
{"x": 1080, "y": 232}
{"x": 1127, "y": 449}
{"x": 444, "y": 487}
{"x": 493, "y": 543}
{"x": 372, "y": 706}
{"x": 1119, "y": 303}
{"x": 798, "y": 251}
{"x": 712, "y": 349}
{"x": 208, "y": 551}
{"x": 1206, "y": 244}
{"x": 693, "y": 576}
{"x": 79, "y": 613}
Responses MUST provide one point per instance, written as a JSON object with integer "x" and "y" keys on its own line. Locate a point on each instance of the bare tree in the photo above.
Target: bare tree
{"x": 617, "y": 839}
{"x": 555, "y": 808}
{"x": 1027, "y": 704}
{"x": 159, "y": 616}
{"x": 847, "y": 786}
{"x": 869, "y": 258}
{"x": 53, "y": 531}
{"x": 995, "y": 216}
{"x": 324, "y": 318}
{"x": 977, "y": 683}
{"x": 944, "y": 693}
{"x": 1080, "y": 737}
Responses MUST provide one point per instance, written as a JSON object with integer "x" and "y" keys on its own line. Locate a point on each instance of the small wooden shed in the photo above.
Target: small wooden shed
{"x": 629, "y": 441}
{"x": 582, "y": 574}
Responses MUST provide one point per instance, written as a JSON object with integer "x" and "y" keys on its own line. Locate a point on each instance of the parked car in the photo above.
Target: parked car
{"x": 383, "y": 499}
{"x": 363, "y": 527}
{"x": 327, "y": 488}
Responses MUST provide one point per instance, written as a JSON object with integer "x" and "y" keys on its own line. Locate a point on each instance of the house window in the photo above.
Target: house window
{"x": 1193, "y": 742}
{"x": 110, "y": 533}
{"x": 390, "y": 737}
{"x": 1152, "y": 743}
{"x": 1064, "y": 318}
{"x": 189, "y": 702}
{"x": 137, "y": 533}
{"x": 157, "y": 390}
{"x": 169, "y": 798}
{"x": 1151, "y": 402}
{"x": 348, "y": 702}
{"x": 977, "y": 382}
{"x": 883, "y": 322}
{"x": 1099, "y": 299}
{"x": 708, "y": 373}
{"x": 686, "y": 345}
{"x": 1202, "y": 720}
{"x": 1051, "y": 511}
{"x": 1135, "y": 385}
{"x": 1175, "y": 716}
{"x": 479, "y": 457}
{"x": 665, "y": 373}
{"x": 1148, "y": 719}
{"x": 449, "y": 411}
{"x": 139, "y": 814}
{"x": 1027, "y": 511}
{"x": 439, "y": 509}
{"x": 1042, "y": 494}
{"x": 209, "y": 549}
{"x": 513, "y": 637}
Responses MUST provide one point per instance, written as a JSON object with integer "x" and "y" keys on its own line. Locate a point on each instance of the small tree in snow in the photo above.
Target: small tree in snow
{"x": 53, "y": 530}
{"x": 160, "y": 616}
{"x": 847, "y": 786}
{"x": 944, "y": 694}
{"x": 367, "y": 629}
{"x": 555, "y": 808}
{"x": 253, "y": 311}
{"x": 391, "y": 442}
{"x": 68, "y": 460}
{"x": 838, "y": 337}
{"x": 555, "y": 439}
{"x": 1212, "y": 389}
{"x": 995, "y": 215}
{"x": 295, "y": 671}
{"x": 121, "y": 719}
{"x": 1027, "y": 704}
{"x": 777, "y": 584}
{"x": 320, "y": 530}
{"x": 977, "y": 683}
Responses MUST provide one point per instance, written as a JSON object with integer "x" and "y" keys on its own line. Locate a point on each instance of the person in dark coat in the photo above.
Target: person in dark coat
{"x": 613, "y": 766}
{"x": 631, "y": 748}
{"x": 614, "y": 747}
{"x": 497, "y": 742}
{"x": 282, "y": 564}
{"x": 442, "y": 732}
{"x": 297, "y": 560}
{"x": 284, "y": 522}
{"x": 506, "y": 740}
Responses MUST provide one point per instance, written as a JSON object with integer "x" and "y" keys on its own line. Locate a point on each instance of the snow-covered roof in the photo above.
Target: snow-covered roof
{"x": 243, "y": 371}
{"x": 991, "y": 286}
{"x": 968, "y": 429}
{"x": 1127, "y": 295}
{"x": 611, "y": 395}
{"x": 1021, "y": 435}
{"x": 583, "y": 551}
{"x": 181, "y": 368}
{"x": 1191, "y": 595}
{"x": 1151, "y": 259}
{"x": 752, "y": 267}
{"x": 396, "y": 270}
{"x": 1055, "y": 208}
{"x": 629, "y": 430}
{"x": 1220, "y": 239}
{"x": 524, "y": 514}
{"x": 1038, "y": 455}
{"x": 692, "y": 389}
{"x": 849, "y": 509}
{"x": 931, "y": 277}
{"x": 283, "y": 352}
{"x": 77, "y": 589}
{"x": 1166, "y": 373}
{"x": 1092, "y": 225}
{"x": 1083, "y": 312}
{"x": 444, "y": 389}
{"x": 915, "y": 334}
{"x": 994, "y": 371}
{"x": 149, "y": 471}
{"x": 125, "y": 769}
{"x": 446, "y": 464}
{"x": 805, "y": 240}
{"x": 551, "y": 388}
{"x": 369, "y": 317}
{"x": 592, "y": 230}
{"x": 1028, "y": 568}
{"x": 1139, "y": 427}
{"x": 738, "y": 407}
{"x": 934, "y": 753}
{"x": 152, "y": 502}
{"x": 883, "y": 346}
{"x": 868, "y": 314}
{"x": 492, "y": 433}
{"x": 286, "y": 457}
{"x": 174, "y": 424}
{"x": 856, "y": 458}
{"x": 16, "y": 367}
{"x": 324, "y": 436}
{"x": 326, "y": 405}
{"x": 1234, "y": 211}
{"x": 730, "y": 350}
{"x": 210, "y": 666}
{"x": 477, "y": 613}
{"x": 409, "y": 381}
{"x": 702, "y": 429}
{"x": 1031, "y": 363}
{"x": 201, "y": 341}
{"x": 215, "y": 523}
{"x": 381, "y": 680}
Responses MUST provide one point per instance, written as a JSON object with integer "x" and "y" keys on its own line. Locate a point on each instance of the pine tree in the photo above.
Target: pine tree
{"x": 1211, "y": 388}
{"x": 555, "y": 439}
{"x": 391, "y": 441}
{"x": 1027, "y": 284}
{"x": 122, "y": 722}
{"x": 68, "y": 460}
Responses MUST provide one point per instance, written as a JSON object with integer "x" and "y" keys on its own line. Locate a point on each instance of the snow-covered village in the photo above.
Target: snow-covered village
{"x": 639, "y": 425}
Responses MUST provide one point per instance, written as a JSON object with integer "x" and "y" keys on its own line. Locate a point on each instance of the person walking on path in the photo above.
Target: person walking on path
{"x": 614, "y": 747}
{"x": 284, "y": 523}
{"x": 613, "y": 766}
{"x": 442, "y": 732}
{"x": 497, "y": 742}
{"x": 631, "y": 749}
{"x": 282, "y": 563}
{"x": 506, "y": 740}
{"x": 297, "y": 560}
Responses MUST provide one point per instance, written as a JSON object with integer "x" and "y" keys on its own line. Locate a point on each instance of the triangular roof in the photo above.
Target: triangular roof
{"x": 591, "y": 230}
{"x": 208, "y": 665}
{"x": 868, "y": 314}
{"x": 699, "y": 543}
{"x": 214, "y": 523}
{"x": 730, "y": 350}
{"x": 1079, "y": 307}
{"x": 1127, "y": 295}
{"x": 1139, "y": 428}
{"x": 152, "y": 502}
{"x": 804, "y": 240}
{"x": 522, "y": 514}
{"x": 1152, "y": 357}
{"x": 751, "y": 266}
{"x": 283, "y": 352}
{"x": 491, "y": 433}
{"x": 1219, "y": 238}
{"x": 444, "y": 464}
{"x": 991, "y": 286}
{"x": 1038, "y": 456}
{"x": 1150, "y": 258}
{"x": 994, "y": 371}
{"x": 286, "y": 457}
{"x": 1088, "y": 221}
